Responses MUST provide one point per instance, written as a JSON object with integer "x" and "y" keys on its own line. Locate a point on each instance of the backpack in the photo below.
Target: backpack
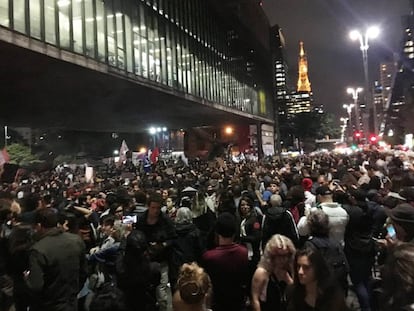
{"x": 334, "y": 256}
{"x": 277, "y": 221}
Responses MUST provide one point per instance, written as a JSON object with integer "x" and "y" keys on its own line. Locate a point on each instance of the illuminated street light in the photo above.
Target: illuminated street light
{"x": 158, "y": 134}
{"x": 153, "y": 133}
{"x": 354, "y": 92}
{"x": 370, "y": 33}
{"x": 228, "y": 130}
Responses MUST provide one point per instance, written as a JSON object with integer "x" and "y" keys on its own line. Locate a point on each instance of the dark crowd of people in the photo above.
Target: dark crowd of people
{"x": 278, "y": 234}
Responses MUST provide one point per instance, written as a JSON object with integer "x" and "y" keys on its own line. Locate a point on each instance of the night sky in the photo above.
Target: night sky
{"x": 335, "y": 62}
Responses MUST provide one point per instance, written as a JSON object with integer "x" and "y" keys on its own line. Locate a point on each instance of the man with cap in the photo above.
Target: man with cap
{"x": 402, "y": 218}
{"x": 227, "y": 266}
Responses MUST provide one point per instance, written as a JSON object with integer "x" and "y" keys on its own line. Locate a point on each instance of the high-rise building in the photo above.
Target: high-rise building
{"x": 280, "y": 84}
{"x": 387, "y": 75}
{"x": 126, "y": 65}
{"x": 378, "y": 99}
{"x": 301, "y": 100}
{"x": 280, "y": 69}
{"x": 398, "y": 120}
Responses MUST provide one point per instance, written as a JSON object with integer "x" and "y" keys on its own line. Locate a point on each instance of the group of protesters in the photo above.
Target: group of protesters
{"x": 278, "y": 234}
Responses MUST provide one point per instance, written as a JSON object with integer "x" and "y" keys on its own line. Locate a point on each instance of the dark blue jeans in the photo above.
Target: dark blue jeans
{"x": 361, "y": 277}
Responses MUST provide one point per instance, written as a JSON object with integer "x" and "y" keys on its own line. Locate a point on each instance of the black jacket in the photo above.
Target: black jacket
{"x": 188, "y": 245}
{"x": 277, "y": 220}
{"x": 57, "y": 271}
{"x": 159, "y": 236}
{"x": 252, "y": 227}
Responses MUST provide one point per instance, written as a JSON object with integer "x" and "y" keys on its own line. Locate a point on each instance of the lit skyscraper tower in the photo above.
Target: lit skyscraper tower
{"x": 303, "y": 80}
{"x": 301, "y": 100}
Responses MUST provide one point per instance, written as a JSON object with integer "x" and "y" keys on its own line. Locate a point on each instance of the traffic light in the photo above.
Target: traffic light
{"x": 373, "y": 139}
{"x": 357, "y": 136}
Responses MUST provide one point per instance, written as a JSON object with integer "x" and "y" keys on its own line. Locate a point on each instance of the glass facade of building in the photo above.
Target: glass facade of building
{"x": 174, "y": 43}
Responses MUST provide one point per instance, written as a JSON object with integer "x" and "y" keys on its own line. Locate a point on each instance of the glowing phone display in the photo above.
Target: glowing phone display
{"x": 391, "y": 231}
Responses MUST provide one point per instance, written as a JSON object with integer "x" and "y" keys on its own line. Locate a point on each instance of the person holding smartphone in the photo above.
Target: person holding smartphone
{"x": 402, "y": 221}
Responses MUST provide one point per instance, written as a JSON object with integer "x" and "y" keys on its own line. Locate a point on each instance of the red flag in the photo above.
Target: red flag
{"x": 155, "y": 154}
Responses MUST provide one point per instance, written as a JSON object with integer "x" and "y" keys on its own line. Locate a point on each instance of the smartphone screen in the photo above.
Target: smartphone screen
{"x": 391, "y": 231}
{"x": 129, "y": 220}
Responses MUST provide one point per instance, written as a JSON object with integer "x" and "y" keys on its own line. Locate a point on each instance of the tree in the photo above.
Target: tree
{"x": 309, "y": 126}
{"x": 21, "y": 155}
{"x": 328, "y": 126}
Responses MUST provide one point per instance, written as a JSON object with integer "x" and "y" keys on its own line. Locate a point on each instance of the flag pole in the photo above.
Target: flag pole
{"x": 5, "y": 136}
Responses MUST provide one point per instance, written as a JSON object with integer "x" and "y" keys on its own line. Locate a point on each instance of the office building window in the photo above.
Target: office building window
{"x": 90, "y": 28}
{"x": 4, "y": 13}
{"x": 128, "y": 43}
{"x": 136, "y": 41}
{"x": 144, "y": 41}
{"x": 119, "y": 33}
{"x": 100, "y": 30}
{"x": 19, "y": 16}
{"x": 111, "y": 34}
{"x": 163, "y": 51}
{"x": 34, "y": 11}
{"x": 78, "y": 26}
{"x": 50, "y": 25}
{"x": 64, "y": 23}
{"x": 169, "y": 55}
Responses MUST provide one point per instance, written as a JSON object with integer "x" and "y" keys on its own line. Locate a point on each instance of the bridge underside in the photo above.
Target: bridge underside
{"x": 39, "y": 91}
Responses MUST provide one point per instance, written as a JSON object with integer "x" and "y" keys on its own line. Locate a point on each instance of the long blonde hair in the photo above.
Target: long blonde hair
{"x": 276, "y": 242}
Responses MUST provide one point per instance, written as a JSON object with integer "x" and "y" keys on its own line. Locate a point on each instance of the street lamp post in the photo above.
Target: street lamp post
{"x": 6, "y": 136}
{"x": 153, "y": 133}
{"x": 354, "y": 92}
{"x": 370, "y": 33}
{"x": 158, "y": 137}
{"x": 343, "y": 127}
{"x": 348, "y": 108}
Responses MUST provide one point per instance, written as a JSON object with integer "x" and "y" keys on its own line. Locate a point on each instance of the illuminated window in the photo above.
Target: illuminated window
{"x": 4, "y": 13}
{"x": 34, "y": 12}
{"x": 77, "y": 25}
{"x": 19, "y": 16}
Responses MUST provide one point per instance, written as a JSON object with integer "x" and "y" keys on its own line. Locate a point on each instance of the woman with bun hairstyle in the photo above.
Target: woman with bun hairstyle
{"x": 193, "y": 288}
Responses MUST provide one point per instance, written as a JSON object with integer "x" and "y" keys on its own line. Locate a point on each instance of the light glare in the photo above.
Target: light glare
{"x": 354, "y": 34}
{"x": 373, "y": 32}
